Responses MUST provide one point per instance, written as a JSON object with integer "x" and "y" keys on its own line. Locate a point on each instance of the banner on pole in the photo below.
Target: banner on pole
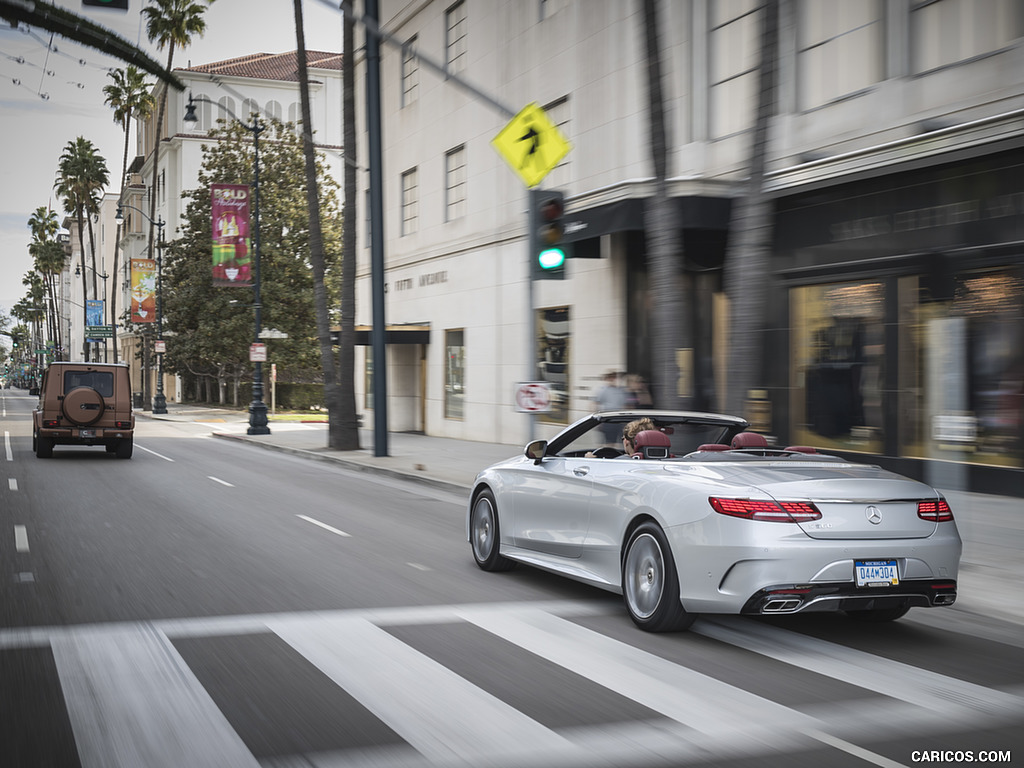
{"x": 229, "y": 206}
{"x": 93, "y": 318}
{"x": 143, "y": 307}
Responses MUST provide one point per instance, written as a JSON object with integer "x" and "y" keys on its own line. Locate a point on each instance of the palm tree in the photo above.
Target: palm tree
{"x": 81, "y": 174}
{"x": 342, "y": 427}
{"x": 670, "y": 330}
{"x": 169, "y": 24}
{"x": 130, "y": 97}
{"x": 750, "y": 233}
{"x": 49, "y": 258}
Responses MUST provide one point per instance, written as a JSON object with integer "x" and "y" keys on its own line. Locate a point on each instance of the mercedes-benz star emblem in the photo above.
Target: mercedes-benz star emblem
{"x": 874, "y": 514}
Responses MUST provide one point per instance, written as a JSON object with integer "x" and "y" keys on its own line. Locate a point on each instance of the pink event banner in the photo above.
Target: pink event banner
{"x": 229, "y": 205}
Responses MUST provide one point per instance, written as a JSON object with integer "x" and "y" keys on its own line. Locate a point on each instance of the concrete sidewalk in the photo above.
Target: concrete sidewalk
{"x": 992, "y": 527}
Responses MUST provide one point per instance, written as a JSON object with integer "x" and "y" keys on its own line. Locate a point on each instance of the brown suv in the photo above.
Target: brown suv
{"x": 84, "y": 404}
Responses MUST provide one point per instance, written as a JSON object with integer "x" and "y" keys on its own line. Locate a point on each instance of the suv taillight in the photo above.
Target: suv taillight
{"x": 51, "y": 423}
{"x": 122, "y": 424}
{"x": 766, "y": 511}
{"x": 935, "y": 511}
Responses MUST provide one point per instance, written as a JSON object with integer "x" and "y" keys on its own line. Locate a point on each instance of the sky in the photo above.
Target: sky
{"x": 48, "y": 98}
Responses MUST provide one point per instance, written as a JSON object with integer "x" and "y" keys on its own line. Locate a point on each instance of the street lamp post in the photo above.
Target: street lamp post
{"x": 257, "y": 408}
{"x": 159, "y": 400}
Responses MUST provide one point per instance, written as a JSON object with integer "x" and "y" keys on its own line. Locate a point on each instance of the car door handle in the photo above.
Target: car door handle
{"x": 581, "y": 471}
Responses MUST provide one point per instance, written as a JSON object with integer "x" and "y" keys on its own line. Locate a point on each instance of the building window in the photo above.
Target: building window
{"x": 249, "y": 108}
{"x": 368, "y": 378}
{"x": 410, "y": 202}
{"x": 455, "y": 38}
{"x": 838, "y": 348}
{"x": 735, "y": 58}
{"x": 369, "y": 222}
{"x": 553, "y": 361}
{"x": 961, "y": 387}
{"x": 841, "y": 49}
{"x": 228, "y": 105}
{"x": 294, "y": 113}
{"x": 410, "y": 73}
{"x": 944, "y": 32}
{"x": 455, "y": 184}
{"x": 558, "y": 113}
{"x": 274, "y": 110}
{"x": 454, "y": 374}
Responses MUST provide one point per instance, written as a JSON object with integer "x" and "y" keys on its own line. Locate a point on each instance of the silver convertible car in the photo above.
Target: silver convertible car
{"x": 689, "y": 513}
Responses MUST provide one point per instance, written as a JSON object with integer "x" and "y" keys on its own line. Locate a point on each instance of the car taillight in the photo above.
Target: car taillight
{"x": 766, "y": 511}
{"x": 51, "y": 423}
{"x": 935, "y": 511}
{"x": 122, "y": 424}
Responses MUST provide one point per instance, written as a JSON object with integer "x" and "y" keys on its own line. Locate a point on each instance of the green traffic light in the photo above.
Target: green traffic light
{"x": 551, "y": 258}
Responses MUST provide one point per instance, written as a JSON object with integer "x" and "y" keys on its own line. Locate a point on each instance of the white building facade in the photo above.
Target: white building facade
{"x": 896, "y": 123}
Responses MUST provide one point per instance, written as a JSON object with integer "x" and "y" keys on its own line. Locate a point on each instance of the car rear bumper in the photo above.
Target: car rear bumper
{"x": 84, "y": 436}
{"x": 808, "y": 598}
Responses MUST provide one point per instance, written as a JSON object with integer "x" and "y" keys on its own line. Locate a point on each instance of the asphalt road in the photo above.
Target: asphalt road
{"x": 212, "y": 604}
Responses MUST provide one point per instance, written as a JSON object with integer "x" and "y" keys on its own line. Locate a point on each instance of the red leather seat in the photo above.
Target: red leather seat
{"x": 713, "y": 447}
{"x": 749, "y": 440}
{"x": 801, "y": 449}
{"x": 652, "y": 444}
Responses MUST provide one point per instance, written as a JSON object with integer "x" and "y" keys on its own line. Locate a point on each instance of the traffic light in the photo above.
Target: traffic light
{"x": 548, "y": 252}
{"x": 119, "y": 4}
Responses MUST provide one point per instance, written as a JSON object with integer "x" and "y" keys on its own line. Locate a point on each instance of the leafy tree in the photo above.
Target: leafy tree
{"x": 81, "y": 174}
{"x": 130, "y": 97}
{"x": 213, "y": 327}
{"x": 170, "y": 24}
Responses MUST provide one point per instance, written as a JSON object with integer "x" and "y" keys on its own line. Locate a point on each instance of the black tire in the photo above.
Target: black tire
{"x": 485, "y": 534}
{"x": 650, "y": 584}
{"x": 124, "y": 448}
{"x": 44, "y": 447}
{"x": 880, "y": 615}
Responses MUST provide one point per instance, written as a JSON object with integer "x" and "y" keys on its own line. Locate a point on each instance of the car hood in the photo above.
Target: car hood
{"x": 856, "y": 501}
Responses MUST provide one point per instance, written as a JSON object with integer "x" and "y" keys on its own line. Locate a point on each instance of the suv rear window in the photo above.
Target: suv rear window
{"x": 101, "y": 381}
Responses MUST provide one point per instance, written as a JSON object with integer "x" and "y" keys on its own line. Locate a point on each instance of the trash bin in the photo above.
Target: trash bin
{"x": 137, "y": 401}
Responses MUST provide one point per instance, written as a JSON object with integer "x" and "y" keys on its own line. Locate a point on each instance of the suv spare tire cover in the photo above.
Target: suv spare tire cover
{"x": 83, "y": 406}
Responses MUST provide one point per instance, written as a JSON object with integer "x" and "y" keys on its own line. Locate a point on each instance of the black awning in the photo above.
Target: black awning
{"x": 413, "y": 333}
{"x": 620, "y": 216}
{"x": 692, "y": 212}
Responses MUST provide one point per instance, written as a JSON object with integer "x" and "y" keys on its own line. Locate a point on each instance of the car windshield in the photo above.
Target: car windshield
{"x": 685, "y": 435}
{"x": 101, "y": 381}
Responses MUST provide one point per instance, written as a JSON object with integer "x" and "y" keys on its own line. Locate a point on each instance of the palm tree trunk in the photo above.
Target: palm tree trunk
{"x": 85, "y": 281}
{"x": 117, "y": 239}
{"x": 669, "y": 326}
{"x": 748, "y": 255}
{"x": 346, "y": 350}
{"x": 156, "y": 151}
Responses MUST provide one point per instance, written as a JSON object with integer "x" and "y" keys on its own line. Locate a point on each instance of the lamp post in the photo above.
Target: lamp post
{"x": 257, "y": 408}
{"x": 159, "y": 400}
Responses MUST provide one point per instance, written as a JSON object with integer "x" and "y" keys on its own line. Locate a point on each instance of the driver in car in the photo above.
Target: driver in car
{"x": 629, "y": 433}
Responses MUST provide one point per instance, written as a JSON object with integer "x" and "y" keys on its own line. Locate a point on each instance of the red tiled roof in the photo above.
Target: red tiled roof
{"x": 269, "y": 66}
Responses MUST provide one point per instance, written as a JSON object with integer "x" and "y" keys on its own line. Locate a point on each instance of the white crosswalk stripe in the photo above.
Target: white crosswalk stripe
{"x": 132, "y": 699}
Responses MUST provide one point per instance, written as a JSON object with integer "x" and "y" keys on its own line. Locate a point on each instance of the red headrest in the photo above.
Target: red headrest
{"x": 652, "y": 437}
{"x": 749, "y": 440}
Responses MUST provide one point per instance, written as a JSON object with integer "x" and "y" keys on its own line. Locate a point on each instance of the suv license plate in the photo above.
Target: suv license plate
{"x": 876, "y": 573}
{"x": 87, "y": 433}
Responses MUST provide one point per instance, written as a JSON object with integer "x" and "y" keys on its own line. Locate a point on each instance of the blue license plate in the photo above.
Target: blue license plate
{"x": 876, "y": 573}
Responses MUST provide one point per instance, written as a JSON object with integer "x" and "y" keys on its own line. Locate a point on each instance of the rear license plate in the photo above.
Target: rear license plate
{"x": 876, "y": 573}
{"x": 87, "y": 433}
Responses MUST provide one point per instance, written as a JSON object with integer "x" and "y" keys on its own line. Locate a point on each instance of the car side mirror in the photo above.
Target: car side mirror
{"x": 536, "y": 450}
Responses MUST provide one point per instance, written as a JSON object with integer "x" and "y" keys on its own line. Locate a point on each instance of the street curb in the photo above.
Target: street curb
{"x": 358, "y": 466}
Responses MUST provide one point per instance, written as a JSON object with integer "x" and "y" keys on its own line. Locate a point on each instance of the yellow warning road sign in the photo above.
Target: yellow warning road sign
{"x": 531, "y": 144}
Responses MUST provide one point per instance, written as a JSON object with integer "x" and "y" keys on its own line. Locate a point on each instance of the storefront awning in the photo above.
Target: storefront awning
{"x": 402, "y": 333}
{"x": 692, "y": 212}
